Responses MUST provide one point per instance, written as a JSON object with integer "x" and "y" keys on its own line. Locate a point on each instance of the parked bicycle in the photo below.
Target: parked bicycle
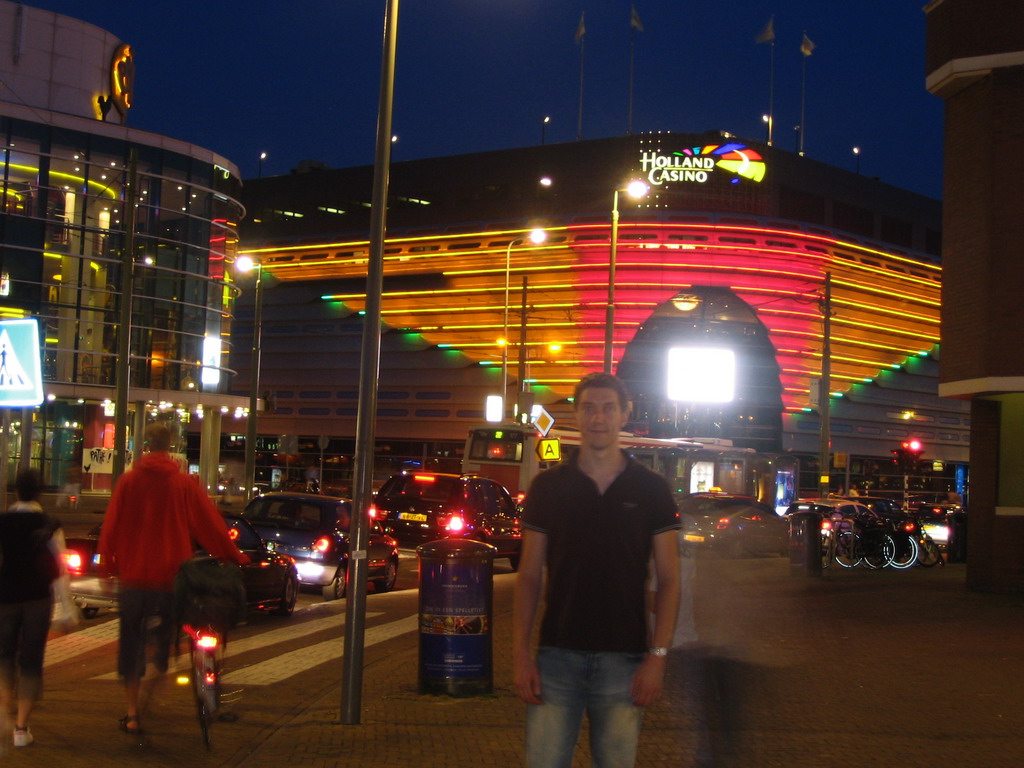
{"x": 865, "y": 540}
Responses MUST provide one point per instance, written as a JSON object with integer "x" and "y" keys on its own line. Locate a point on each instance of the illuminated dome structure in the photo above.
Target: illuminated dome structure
{"x": 733, "y": 246}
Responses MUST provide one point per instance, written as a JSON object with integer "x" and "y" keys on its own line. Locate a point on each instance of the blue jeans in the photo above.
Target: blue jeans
{"x": 576, "y": 682}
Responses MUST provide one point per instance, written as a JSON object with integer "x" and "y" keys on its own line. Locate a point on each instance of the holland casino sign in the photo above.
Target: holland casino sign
{"x": 699, "y": 164}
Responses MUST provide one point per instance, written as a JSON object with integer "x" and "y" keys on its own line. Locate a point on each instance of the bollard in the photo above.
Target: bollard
{"x": 956, "y": 544}
{"x": 456, "y": 589}
{"x": 805, "y": 543}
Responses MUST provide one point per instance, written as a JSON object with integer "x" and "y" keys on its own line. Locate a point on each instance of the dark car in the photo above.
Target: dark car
{"x": 270, "y": 578}
{"x": 313, "y": 530}
{"x": 734, "y": 525}
{"x": 885, "y": 507}
{"x": 416, "y": 507}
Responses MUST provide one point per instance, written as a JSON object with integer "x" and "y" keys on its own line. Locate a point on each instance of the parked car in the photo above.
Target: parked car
{"x": 883, "y": 506}
{"x": 313, "y": 530}
{"x": 271, "y": 580}
{"x": 734, "y": 525}
{"x": 424, "y": 506}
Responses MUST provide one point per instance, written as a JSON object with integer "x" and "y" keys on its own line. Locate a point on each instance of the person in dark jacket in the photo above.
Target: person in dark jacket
{"x": 28, "y": 566}
{"x": 155, "y": 516}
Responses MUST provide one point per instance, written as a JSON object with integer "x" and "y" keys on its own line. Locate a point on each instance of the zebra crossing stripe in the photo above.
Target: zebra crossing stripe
{"x": 262, "y": 640}
{"x": 288, "y": 664}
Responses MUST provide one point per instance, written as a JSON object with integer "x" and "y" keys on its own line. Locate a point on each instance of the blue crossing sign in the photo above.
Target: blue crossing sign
{"x": 21, "y": 374}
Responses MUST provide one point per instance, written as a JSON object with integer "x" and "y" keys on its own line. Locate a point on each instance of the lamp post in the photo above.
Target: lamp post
{"x": 635, "y": 189}
{"x": 536, "y": 236}
{"x": 263, "y": 156}
{"x": 856, "y": 154}
{"x": 248, "y": 264}
{"x": 544, "y": 128}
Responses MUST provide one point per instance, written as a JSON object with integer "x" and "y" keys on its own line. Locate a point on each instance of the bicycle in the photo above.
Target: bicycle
{"x": 205, "y": 644}
{"x": 209, "y": 600}
{"x": 863, "y": 541}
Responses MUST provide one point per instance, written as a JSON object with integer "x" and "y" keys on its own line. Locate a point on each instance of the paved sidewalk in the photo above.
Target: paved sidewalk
{"x": 887, "y": 668}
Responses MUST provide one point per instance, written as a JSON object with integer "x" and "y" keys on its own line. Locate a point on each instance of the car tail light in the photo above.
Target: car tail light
{"x": 455, "y": 524}
{"x": 424, "y": 478}
{"x": 233, "y": 534}
{"x": 373, "y": 513}
{"x": 723, "y": 523}
{"x": 909, "y": 527}
{"x": 826, "y": 525}
{"x": 322, "y": 544}
{"x": 74, "y": 561}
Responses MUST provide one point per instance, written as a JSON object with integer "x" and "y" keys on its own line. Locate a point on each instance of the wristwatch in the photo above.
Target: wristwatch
{"x": 658, "y": 650}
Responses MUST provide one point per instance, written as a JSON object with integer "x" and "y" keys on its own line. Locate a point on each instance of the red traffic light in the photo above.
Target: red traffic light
{"x": 913, "y": 445}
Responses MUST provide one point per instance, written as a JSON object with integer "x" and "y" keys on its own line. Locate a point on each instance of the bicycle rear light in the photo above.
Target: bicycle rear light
{"x": 206, "y": 641}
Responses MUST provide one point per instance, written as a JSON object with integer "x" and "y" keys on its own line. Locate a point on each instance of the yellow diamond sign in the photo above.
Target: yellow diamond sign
{"x": 543, "y": 420}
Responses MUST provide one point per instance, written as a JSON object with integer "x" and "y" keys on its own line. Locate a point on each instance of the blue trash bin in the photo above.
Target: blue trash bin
{"x": 456, "y": 587}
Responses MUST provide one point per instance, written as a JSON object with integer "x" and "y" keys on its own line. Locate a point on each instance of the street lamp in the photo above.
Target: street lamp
{"x": 769, "y": 124}
{"x": 248, "y": 264}
{"x": 544, "y": 128}
{"x": 856, "y": 154}
{"x": 536, "y": 236}
{"x": 636, "y": 190}
{"x": 263, "y": 156}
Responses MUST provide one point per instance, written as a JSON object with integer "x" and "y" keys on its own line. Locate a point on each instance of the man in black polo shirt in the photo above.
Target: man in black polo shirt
{"x": 594, "y": 522}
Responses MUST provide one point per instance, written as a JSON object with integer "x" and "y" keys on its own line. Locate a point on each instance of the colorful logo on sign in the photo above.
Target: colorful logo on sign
{"x": 697, "y": 164}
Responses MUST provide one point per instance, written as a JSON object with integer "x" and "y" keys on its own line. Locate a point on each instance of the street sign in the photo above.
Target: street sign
{"x": 21, "y": 376}
{"x": 549, "y": 449}
{"x": 542, "y": 420}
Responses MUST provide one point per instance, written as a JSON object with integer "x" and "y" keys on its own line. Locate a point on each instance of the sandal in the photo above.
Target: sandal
{"x": 129, "y": 724}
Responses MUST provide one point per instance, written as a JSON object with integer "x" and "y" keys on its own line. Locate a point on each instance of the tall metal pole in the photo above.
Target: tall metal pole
{"x": 254, "y": 386}
{"x": 504, "y": 333}
{"x": 523, "y": 319}
{"x": 824, "y": 400}
{"x": 609, "y": 317}
{"x": 124, "y": 331}
{"x": 355, "y": 610}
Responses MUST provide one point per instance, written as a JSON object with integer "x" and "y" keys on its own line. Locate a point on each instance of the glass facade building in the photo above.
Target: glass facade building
{"x": 76, "y": 237}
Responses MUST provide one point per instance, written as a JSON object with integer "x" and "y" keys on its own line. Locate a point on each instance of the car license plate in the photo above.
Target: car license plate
{"x": 693, "y": 537}
{"x": 413, "y": 516}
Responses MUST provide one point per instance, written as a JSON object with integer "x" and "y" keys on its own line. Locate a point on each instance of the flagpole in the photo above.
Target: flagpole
{"x": 771, "y": 93}
{"x": 632, "y": 41}
{"x": 803, "y": 103}
{"x": 579, "y": 121}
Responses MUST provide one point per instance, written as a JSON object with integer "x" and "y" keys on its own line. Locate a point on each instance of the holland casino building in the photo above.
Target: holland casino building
{"x": 64, "y": 108}
{"x": 731, "y": 249}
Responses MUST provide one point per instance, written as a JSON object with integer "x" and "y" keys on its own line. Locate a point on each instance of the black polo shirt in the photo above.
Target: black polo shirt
{"x": 598, "y": 549}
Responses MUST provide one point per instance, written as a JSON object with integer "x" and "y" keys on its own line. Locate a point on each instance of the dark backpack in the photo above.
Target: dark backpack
{"x": 209, "y": 593}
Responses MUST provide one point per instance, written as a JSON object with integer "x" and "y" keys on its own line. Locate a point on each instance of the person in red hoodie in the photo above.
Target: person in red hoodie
{"x": 155, "y": 518}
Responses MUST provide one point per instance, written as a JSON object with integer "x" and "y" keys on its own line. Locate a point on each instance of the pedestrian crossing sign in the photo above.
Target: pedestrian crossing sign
{"x": 21, "y": 376}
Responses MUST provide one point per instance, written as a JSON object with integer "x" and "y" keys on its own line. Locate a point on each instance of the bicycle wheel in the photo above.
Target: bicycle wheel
{"x": 206, "y": 686}
{"x": 848, "y": 549}
{"x": 878, "y": 550}
{"x": 906, "y": 551}
{"x": 930, "y": 554}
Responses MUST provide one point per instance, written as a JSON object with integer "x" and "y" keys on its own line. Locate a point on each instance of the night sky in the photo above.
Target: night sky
{"x": 299, "y": 80}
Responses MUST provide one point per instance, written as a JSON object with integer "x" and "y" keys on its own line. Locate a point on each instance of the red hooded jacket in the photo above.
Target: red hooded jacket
{"x": 155, "y": 517}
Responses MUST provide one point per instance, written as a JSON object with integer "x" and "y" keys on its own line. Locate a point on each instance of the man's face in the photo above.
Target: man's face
{"x": 600, "y": 416}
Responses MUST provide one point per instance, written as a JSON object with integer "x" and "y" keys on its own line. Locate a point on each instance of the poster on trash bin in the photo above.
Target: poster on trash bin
{"x": 455, "y": 631}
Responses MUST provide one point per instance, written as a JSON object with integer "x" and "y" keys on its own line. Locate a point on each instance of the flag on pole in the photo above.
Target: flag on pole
{"x": 634, "y": 19}
{"x": 581, "y": 30}
{"x": 767, "y": 35}
{"x": 806, "y": 46}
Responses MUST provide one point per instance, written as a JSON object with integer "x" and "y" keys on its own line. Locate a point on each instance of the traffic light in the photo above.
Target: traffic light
{"x": 907, "y": 455}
